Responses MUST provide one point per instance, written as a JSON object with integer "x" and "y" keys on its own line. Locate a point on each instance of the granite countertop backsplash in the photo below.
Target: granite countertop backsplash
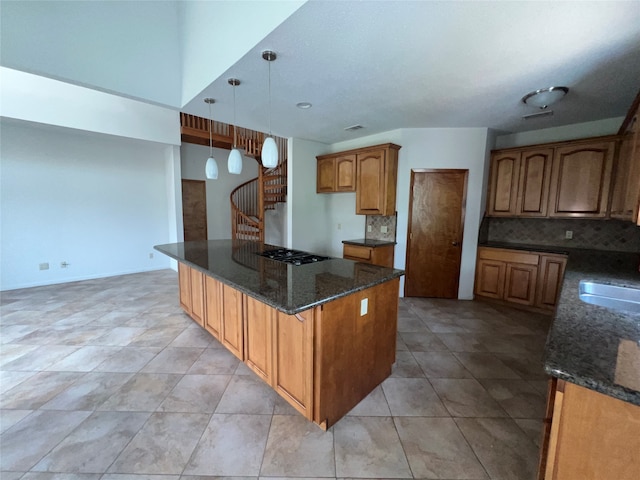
{"x": 369, "y": 242}
{"x": 596, "y": 347}
{"x": 288, "y": 288}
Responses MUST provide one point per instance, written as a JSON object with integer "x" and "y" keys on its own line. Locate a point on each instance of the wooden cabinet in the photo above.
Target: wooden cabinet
{"x": 581, "y": 179}
{"x": 191, "y": 286}
{"x": 258, "y": 324}
{"x": 592, "y": 436}
{"x": 503, "y": 185}
{"x": 213, "y": 306}
{"x": 518, "y": 277}
{"x": 376, "y": 180}
{"x": 293, "y": 359}
{"x": 232, "y": 331}
{"x": 380, "y": 255}
{"x": 625, "y": 200}
{"x": 371, "y": 172}
{"x": 336, "y": 173}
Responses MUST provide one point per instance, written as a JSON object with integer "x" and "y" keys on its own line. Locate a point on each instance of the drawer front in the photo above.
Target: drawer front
{"x": 511, "y": 256}
{"x": 356, "y": 252}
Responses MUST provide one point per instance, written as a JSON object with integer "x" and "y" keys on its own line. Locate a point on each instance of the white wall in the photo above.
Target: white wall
{"x": 275, "y": 225}
{"x": 98, "y": 202}
{"x": 608, "y": 126}
{"x": 464, "y": 148}
{"x": 308, "y": 214}
{"x": 193, "y": 158}
{"x": 131, "y": 47}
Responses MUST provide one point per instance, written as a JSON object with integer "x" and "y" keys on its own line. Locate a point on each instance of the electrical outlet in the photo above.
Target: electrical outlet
{"x": 44, "y": 266}
{"x": 151, "y": 255}
{"x": 568, "y": 234}
{"x": 369, "y": 228}
{"x": 384, "y": 229}
{"x": 364, "y": 306}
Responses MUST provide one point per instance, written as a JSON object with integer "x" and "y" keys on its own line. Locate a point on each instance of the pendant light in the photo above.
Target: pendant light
{"x": 269, "y": 152}
{"x": 211, "y": 167}
{"x": 234, "y": 164}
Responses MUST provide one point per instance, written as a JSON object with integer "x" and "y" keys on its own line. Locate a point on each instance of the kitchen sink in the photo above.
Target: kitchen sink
{"x": 610, "y": 296}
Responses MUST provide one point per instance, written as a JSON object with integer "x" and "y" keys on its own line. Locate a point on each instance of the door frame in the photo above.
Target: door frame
{"x": 463, "y": 213}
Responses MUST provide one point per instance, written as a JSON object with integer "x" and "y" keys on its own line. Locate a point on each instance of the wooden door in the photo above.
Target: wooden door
{"x": 213, "y": 303}
{"x": 503, "y": 186}
{"x": 194, "y": 209}
{"x": 326, "y": 175}
{"x": 257, "y": 337}
{"x": 580, "y": 180}
{"x": 533, "y": 186}
{"x": 520, "y": 283}
{"x": 490, "y": 278}
{"x": 436, "y": 219}
{"x": 232, "y": 331}
{"x": 370, "y": 189}
{"x": 346, "y": 173}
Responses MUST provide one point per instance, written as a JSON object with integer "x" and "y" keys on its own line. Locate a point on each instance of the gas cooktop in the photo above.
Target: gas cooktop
{"x": 293, "y": 257}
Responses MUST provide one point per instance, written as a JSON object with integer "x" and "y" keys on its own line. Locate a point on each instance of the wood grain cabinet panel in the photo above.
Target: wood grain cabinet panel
{"x": 520, "y": 283}
{"x": 197, "y": 296}
{"x": 376, "y": 180}
{"x": 232, "y": 331}
{"x": 336, "y": 173}
{"x": 346, "y": 173}
{"x": 293, "y": 359}
{"x": 550, "y": 275}
{"x": 381, "y": 255}
{"x": 326, "y": 175}
{"x": 626, "y": 187}
{"x": 213, "y": 306}
{"x": 592, "y": 437}
{"x": 503, "y": 187}
{"x": 184, "y": 284}
{"x": 533, "y": 184}
{"x": 581, "y": 180}
{"x": 490, "y": 276}
{"x": 258, "y": 326}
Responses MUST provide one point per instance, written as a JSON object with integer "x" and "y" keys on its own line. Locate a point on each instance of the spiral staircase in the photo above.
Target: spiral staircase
{"x": 250, "y": 200}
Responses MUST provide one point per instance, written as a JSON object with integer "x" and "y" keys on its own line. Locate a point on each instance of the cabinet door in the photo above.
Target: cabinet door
{"x": 213, "y": 306}
{"x": 490, "y": 278}
{"x": 345, "y": 173}
{"x": 581, "y": 180}
{"x": 293, "y": 359}
{"x": 197, "y": 296}
{"x": 232, "y": 331}
{"x": 184, "y": 283}
{"x": 550, "y": 275}
{"x": 258, "y": 327}
{"x": 326, "y": 175}
{"x": 357, "y": 252}
{"x": 370, "y": 189}
{"x": 503, "y": 186}
{"x": 520, "y": 283}
{"x": 533, "y": 185}
{"x": 626, "y": 186}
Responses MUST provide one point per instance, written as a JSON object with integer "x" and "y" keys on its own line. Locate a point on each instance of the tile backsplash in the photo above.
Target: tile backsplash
{"x": 376, "y": 222}
{"x": 614, "y": 235}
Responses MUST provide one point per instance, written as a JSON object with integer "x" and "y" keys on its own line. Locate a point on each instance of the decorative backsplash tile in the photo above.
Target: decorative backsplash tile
{"x": 377, "y": 222}
{"x": 614, "y": 235}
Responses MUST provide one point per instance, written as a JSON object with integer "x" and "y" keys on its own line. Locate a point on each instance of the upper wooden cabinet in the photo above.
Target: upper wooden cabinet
{"x": 376, "y": 179}
{"x": 581, "y": 179}
{"x": 371, "y": 172}
{"x": 336, "y": 173}
{"x": 626, "y": 186}
{"x": 568, "y": 179}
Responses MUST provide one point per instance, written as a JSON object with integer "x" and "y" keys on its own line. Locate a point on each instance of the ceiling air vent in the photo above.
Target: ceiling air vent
{"x": 353, "y": 127}
{"x": 544, "y": 113}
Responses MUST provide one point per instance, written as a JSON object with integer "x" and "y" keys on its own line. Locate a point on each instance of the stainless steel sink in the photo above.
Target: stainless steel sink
{"x": 610, "y": 296}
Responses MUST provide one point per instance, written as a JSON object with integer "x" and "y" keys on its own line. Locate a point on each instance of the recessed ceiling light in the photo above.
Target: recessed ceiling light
{"x": 353, "y": 127}
{"x": 303, "y": 105}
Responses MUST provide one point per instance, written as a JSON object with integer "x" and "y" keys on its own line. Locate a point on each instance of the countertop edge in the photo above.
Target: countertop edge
{"x": 364, "y": 243}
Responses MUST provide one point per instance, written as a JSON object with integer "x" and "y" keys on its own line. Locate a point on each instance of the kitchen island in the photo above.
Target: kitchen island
{"x": 321, "y": 334}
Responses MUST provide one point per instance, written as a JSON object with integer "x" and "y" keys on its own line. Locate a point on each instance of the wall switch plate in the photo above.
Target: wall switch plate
{"x": 568, "y": 234}
{"x": 44, "y": 266}
{"x": 369, "y": 228}
{"x": 364, "y": 306}
{"x": 339, "y": 226}
{"x": 384, "y": 229}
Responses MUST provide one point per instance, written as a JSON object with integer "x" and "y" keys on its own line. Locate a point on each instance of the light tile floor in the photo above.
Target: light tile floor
{"x": 109, "y": 380}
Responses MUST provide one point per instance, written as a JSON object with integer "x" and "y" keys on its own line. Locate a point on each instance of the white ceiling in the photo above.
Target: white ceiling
{"x": 396, "y": 64}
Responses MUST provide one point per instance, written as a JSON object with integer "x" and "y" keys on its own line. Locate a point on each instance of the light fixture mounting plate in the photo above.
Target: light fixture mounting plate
{"x": 269, "y": 55}
{"x": 234, "y": 82}
{"x": 209, "y": 100}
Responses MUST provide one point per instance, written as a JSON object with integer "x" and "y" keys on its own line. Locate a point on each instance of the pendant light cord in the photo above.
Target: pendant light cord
{"x": 234, "y": 119}
{"x": 210, "y": 131}
{"x": 270, "y": 98}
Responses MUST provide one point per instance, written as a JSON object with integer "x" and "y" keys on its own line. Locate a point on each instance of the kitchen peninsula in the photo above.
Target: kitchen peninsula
{"x": 321, "y": 334}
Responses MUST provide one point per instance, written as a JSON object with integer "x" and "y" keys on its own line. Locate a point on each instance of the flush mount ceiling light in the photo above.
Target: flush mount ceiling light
{"x": 234, "y": 164}
{"x": 211, "y": 167}
{"x": 544, "y": 97}
{"x": 303, "y": 105}
{"x": 269, "y": 152}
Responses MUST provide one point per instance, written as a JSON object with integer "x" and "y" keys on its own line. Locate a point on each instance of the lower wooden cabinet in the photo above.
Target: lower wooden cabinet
{"x": 232, "y": 314}
{"x": 590, "y": 436}
{"x": 191, "y": 283}
{"x": 530, "y": 279}
{"x": 381, "y": 255}
{"x": 213, "y": 306}
{"x": 258, "y": 343}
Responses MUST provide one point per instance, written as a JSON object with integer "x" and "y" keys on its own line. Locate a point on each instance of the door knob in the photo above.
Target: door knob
{"x": 454, "y": 243}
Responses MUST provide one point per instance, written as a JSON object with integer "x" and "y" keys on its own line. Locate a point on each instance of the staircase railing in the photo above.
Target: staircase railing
{"x": 247, "y": 219}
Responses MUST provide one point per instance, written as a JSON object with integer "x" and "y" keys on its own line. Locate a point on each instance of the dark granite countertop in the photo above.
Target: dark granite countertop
{"x": 527, "y": 247}
{"x": 288, "y": 288}
{"x": 596, "y": 347}
{"x": 366, "y": 242}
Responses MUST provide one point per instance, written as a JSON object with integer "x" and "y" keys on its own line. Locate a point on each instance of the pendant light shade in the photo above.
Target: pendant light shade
{"x": 211, "y": 167}
{"x": 234, "y": 165}
{"x": 269, "y": 152}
